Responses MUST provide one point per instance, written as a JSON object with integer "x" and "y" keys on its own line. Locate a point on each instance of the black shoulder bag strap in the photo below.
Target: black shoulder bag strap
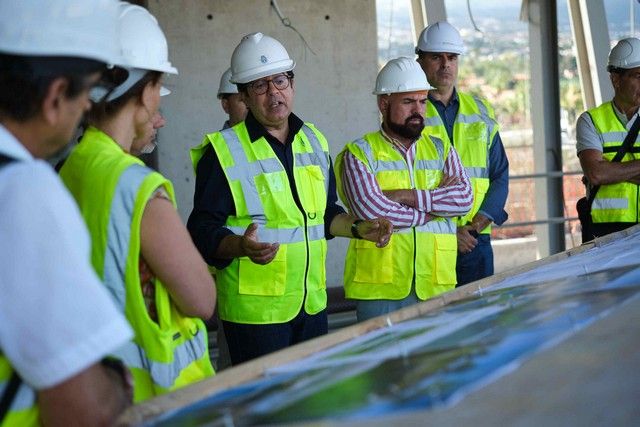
{"x": 628, "y": 142}
{"x": 9, "y": 394}
{"x": 4, "y": 159}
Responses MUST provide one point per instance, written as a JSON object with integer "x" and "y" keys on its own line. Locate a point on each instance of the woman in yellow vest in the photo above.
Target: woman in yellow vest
{"x": 140, "y": 248}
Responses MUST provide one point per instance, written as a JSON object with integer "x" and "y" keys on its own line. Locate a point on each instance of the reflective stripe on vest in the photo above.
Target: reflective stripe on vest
{"x": 471, "y": 113}
{"x": 614, "y": 202}
{"x": 284, "y": 235}
{"x": 600, "y": 203}
{"x": 165, "y": 374}
{"x": 119, "y": 237}
{"x": 426, "y": 253}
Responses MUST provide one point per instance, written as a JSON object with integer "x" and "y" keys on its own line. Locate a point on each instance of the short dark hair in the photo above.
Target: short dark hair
{"x": 617, "y": 70}
{"x": 107, "y": 109}
{"x": 243, "y": 87}
{"x": 25, "y": 80}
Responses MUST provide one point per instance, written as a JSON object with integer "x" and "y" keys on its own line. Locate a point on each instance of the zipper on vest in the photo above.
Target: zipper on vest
{"x": 413, "y": 280}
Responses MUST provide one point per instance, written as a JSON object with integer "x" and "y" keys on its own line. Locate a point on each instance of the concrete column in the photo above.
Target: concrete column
{"x": 545, "y": 118}
{"x": 435, "y": 11}
{"x": 591, "y": 38}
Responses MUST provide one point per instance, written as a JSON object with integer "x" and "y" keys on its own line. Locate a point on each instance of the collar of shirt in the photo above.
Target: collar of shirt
{"x": 256, "y": 130}
{"x": 396, "y": 144}
{"x": 623, "y": 117}
{"x": 10, "y": 146}
{"x": 454, "y": 99}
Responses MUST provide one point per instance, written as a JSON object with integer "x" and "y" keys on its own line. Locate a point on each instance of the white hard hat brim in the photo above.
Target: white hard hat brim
{"x": 254, "y": 74}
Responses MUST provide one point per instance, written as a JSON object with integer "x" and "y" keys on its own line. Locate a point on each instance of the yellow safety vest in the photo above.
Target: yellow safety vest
{"x": 473, "y": 132}
{"x": 614, "y": 202}
{"x": 24, "y": 407}
{"x": 427, "y": 252}
{"x": 274, "y": 293}
{"x": 112, "y": 189}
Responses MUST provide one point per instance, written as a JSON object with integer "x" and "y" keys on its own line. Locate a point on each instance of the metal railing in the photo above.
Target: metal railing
{"x": 546, "y": 175}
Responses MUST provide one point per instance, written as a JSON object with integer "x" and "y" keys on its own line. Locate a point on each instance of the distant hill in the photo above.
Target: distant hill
{"x": 506, "y": 11}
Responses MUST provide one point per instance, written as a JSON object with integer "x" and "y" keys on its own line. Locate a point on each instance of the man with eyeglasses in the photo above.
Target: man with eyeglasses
{"x": 264, "y": 205}
{"x": 57, "y": 321}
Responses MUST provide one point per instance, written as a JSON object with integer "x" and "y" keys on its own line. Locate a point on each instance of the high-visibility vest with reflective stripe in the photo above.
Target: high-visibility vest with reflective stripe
{"x": 23, "y": 410}
{"x": 427, "y": 252}
{"x": 112, "y": 189}
{"x": 473, "y": 132}
{"x": 275, "y": 292}
{"x": 614, "y": 202}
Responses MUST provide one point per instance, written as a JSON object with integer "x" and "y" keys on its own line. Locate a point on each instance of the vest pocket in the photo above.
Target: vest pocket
{"x": 263, "y": 280}
{"x": 446, "y": 254}
{"x": 311, "y": 188}
{"x": 373, "y": 264}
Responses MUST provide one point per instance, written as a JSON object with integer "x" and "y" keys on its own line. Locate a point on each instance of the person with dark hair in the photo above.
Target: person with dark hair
{"x": 414, "y": 179}
{"x": 57, "y": 322}
{"x": 264, "y": 205}
{"x": 613, "y": 185}
{"x": 141, "y": 249}
{"x": 231, "y": 101}
{"x": 469, "y": 123}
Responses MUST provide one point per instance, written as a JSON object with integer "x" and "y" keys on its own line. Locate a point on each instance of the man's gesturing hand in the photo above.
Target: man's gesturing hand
{"x": 258, "y": 252}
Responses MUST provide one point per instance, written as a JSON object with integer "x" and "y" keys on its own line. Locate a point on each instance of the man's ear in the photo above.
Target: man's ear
{"x": 53, "y": 100}
{"x": 383, "y": 103}
{"x": 148, "y": 93}
{"x": 244, "y": 96}
{"x": 615, "y": 80}
{"x": 225, "y": 105}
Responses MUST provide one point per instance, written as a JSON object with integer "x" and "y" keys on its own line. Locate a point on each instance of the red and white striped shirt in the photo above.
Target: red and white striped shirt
{"x": 366, "y": 200}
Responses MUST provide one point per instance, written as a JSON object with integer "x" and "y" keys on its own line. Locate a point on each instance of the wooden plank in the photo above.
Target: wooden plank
{"x": 255, "y": 369}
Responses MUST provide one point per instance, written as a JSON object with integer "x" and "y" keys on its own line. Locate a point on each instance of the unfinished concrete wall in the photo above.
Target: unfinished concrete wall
{"x": 333, "y": 87}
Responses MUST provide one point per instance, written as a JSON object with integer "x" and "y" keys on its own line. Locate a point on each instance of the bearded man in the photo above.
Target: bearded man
{"x": 417, "y": 182}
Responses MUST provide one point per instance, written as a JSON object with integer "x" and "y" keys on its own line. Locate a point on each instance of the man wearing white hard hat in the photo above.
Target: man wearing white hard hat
{"x": 231, "y": 101}
{"x": 416, "y": 181}
{"x": 266, "y": 207}
{"x": 608, "y": 146}
{"x": 57, "y": 322}
{"x": 469, "y": 123}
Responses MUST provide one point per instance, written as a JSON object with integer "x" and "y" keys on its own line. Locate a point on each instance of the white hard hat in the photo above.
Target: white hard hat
{"x": 401, "y": 75}
{"x": 258, "y": 56}
{"x": 69, "y": 28}
{"x": 143, "y": 47}
{"x": 625, "y": 54}
{"x": 142, "y": 41}
{"x": 440, "y": 37}
{"x": 225, "y": 85}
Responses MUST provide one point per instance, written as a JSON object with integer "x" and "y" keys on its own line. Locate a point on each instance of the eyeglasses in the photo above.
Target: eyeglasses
{"x": 260, "y": 87}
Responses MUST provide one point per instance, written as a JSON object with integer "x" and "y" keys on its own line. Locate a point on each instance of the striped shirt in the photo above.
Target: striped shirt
{"x": 366, "y": 200}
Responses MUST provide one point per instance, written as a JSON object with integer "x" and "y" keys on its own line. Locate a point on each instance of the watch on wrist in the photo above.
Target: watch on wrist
{"x": 354, "y": 228}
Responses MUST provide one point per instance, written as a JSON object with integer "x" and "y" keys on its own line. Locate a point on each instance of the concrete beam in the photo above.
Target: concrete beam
{"x": 591, "y": 37}
{"x": 418, "y": 19}
{"x": 435, "y": 10}
{"x": 545, "y": 118}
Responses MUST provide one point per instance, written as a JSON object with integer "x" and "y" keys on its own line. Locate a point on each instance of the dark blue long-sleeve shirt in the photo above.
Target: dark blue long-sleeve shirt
{"x": 494, "y": 200}
{"x": 213, "y": 201}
